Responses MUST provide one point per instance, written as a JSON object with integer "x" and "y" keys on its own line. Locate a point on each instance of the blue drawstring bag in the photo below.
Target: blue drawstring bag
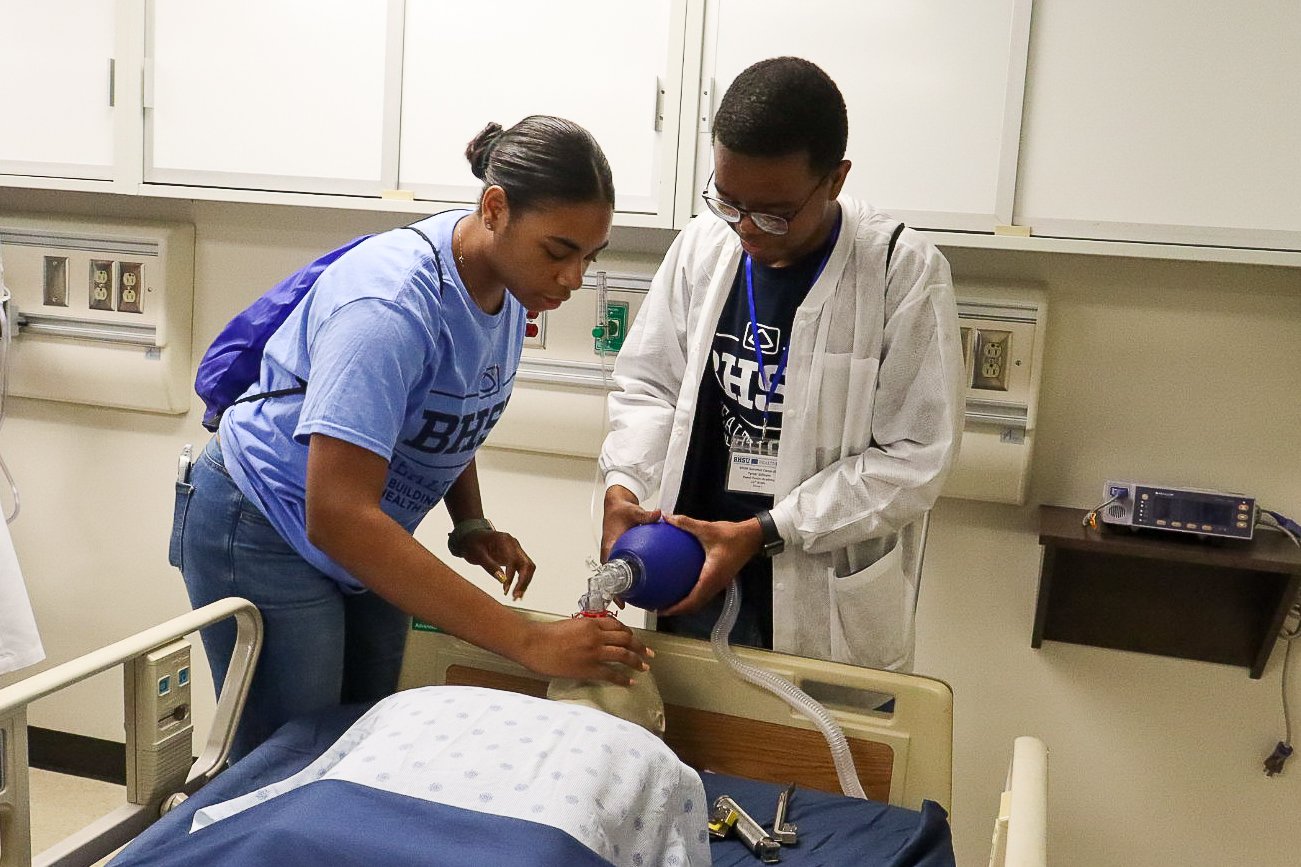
{"x": 234, "y": 359}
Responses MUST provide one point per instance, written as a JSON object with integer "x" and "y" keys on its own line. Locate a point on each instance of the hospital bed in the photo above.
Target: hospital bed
{"x": 746, "y": 743}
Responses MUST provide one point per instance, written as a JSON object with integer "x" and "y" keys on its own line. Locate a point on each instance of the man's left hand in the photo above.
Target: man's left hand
{"x": 728, "y": 545}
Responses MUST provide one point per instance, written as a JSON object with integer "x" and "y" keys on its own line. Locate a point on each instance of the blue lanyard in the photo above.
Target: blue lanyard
{"x": 770, "y": 385}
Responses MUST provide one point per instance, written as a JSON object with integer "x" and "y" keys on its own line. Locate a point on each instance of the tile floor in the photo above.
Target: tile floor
{"x": 62, "y": 804}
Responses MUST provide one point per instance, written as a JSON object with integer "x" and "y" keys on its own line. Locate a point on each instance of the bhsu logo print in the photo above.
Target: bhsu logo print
{"x": 452, "y": 433}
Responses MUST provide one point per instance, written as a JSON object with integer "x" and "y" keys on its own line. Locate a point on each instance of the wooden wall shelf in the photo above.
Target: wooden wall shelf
{"x": 1213, "y": 601}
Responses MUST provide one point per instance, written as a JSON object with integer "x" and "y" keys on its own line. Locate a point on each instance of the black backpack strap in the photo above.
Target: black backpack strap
{"x": 438, "y": 260}
{"x": 301, "y": 388}
{"x": 426, "y": 237}
{"x": 894, "y": 239}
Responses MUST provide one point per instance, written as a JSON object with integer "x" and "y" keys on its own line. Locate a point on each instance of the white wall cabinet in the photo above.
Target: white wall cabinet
{"x": 933, "y": 89}
{"x": 267, "y": 94}
{"x": 615, "y": 70}
{"x": 1164, "y": 121}
{"x": 57, "y": 88}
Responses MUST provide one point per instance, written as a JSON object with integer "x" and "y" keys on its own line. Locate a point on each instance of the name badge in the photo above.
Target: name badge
{"x": 752, "y": 466}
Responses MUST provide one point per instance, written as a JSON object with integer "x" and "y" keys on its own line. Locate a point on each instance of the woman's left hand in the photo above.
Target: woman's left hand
{"x": 501, "y": 556}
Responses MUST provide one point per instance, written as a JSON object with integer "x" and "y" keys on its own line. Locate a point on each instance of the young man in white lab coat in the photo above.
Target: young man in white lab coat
{"x": 792, "y": 386}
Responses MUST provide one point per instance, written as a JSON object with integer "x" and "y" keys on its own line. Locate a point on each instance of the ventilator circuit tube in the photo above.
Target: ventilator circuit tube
{"x": 787, "y": 692}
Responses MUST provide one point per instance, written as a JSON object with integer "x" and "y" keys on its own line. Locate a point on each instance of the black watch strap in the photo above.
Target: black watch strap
{"x": 772, "y": 541}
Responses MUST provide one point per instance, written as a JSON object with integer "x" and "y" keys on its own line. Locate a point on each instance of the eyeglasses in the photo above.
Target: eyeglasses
{"x": 773, "y": 224}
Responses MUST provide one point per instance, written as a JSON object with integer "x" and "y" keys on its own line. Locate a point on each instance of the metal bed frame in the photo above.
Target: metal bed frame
{"x": 716, "y": 722}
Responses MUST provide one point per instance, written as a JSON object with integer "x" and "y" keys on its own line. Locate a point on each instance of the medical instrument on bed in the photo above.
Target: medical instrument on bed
{"x": 651, "y": 566}
{"x": 782, "y": 831}
{"x": 729, "y": 816}
{"x": 1176, "y": 509}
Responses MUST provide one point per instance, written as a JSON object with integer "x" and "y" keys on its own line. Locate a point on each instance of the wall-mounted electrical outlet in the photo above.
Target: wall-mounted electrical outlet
{"x": 993, "y": 357}
{"x": 130, "y": 287}
{"x": 535, "y": 330}
{"x": 107, "y": 309}
{"x": 101, "y": 284}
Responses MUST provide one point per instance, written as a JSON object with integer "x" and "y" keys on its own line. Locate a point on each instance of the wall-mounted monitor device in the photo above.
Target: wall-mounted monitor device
{"x": 1179, "y": 510}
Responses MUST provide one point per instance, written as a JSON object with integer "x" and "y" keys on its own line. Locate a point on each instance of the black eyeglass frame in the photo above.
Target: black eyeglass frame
{"x": 778, "y": 224}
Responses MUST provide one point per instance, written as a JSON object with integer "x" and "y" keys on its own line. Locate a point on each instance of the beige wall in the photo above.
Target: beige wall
{"x": 1175, "y": 372}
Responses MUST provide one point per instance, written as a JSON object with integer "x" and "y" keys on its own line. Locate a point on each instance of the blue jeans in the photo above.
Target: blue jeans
{"x": 322, "y": 647}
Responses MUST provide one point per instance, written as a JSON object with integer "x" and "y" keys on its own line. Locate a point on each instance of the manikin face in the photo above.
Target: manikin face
{"x": 784, "y": 186}
{"x": 542, "y": 253}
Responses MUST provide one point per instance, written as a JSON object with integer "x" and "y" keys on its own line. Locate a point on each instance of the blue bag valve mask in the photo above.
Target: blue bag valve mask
{"x": 652, "y": 566}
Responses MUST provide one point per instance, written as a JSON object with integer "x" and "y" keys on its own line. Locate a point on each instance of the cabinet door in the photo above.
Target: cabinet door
{"x": 1164, "y": 121}
{"x": 933, "y": 89}
{"x": 56, "y": 88}
{"x": 615, "y": 68}
{"x": 267, "y": 94}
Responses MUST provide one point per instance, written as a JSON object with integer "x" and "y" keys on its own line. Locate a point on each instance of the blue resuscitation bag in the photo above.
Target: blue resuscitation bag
{"x": 234, "y": 359}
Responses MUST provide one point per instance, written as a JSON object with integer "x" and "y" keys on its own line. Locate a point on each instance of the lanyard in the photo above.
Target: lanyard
{"x": 770, "y": 385}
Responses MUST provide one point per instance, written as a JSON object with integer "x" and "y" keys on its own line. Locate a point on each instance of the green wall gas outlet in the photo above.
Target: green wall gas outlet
{"x": 609, "y": 336}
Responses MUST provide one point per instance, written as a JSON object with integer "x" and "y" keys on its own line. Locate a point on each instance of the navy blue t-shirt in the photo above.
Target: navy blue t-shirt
{"x": 731, "y": 401}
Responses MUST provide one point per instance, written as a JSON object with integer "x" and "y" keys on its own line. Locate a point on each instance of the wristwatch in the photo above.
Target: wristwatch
{"x": 772, "y": 542}
{"x": 462, "y": 531}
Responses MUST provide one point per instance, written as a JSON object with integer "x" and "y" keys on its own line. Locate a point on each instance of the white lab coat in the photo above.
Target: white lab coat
{"x": 20, "y": 645}
{"x": 872, "y": 419}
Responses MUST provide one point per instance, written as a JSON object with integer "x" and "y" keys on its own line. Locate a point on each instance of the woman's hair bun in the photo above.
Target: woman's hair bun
{"x": 480, "y": 148}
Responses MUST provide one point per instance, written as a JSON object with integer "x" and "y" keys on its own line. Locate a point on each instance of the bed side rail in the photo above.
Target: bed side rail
{"x": 1021, "y": 829}
{"x": 143, "y": 655}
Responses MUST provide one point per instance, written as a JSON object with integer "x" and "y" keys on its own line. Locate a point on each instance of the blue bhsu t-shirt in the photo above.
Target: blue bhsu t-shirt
{"x": 398, "y": 360}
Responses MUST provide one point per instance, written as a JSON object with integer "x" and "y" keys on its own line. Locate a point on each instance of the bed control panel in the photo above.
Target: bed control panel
{"x": 160, "y": 725}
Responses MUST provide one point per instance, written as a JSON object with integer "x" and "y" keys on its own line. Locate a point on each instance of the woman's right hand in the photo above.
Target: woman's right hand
{"x": 587, "y": 648}
{"x": 622, "y": 513}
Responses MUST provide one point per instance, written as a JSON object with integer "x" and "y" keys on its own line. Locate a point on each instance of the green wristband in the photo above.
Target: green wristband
{"x": 462, "y": 531}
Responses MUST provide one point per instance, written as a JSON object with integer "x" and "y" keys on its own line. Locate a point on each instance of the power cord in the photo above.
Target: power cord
{"x": 1091, "y": 517}
{"x": 1288, "y": 634}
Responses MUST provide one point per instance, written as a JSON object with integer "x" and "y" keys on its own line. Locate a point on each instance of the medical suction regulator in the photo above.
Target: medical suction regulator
{"x": 651, "y": 566}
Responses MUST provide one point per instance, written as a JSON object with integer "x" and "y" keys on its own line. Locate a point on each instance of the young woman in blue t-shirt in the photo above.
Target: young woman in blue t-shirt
{"x": 305, "y": 502}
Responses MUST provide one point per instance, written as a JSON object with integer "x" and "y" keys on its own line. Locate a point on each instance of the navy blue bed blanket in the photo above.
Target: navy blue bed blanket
{"x": 342, "y": 824}
{"x": 333, "y": 822}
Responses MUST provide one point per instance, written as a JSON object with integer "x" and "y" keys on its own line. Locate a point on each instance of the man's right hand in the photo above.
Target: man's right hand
{"x": 586, "y": 648}
{"x": 622, "y": 512}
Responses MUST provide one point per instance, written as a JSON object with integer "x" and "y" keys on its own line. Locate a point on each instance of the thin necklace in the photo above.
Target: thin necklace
{"x": 459, "y": 245}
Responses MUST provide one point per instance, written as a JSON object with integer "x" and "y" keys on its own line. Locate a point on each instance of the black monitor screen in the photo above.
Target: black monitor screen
{"x": 1192, "y": 510}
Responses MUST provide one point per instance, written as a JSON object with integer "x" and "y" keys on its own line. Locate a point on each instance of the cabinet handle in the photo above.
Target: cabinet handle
{"x": 147, "y": 83}
{"x": 707, "y": 106}
{"x": 112, "y": 82}
{"x": 659, "y": 105}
